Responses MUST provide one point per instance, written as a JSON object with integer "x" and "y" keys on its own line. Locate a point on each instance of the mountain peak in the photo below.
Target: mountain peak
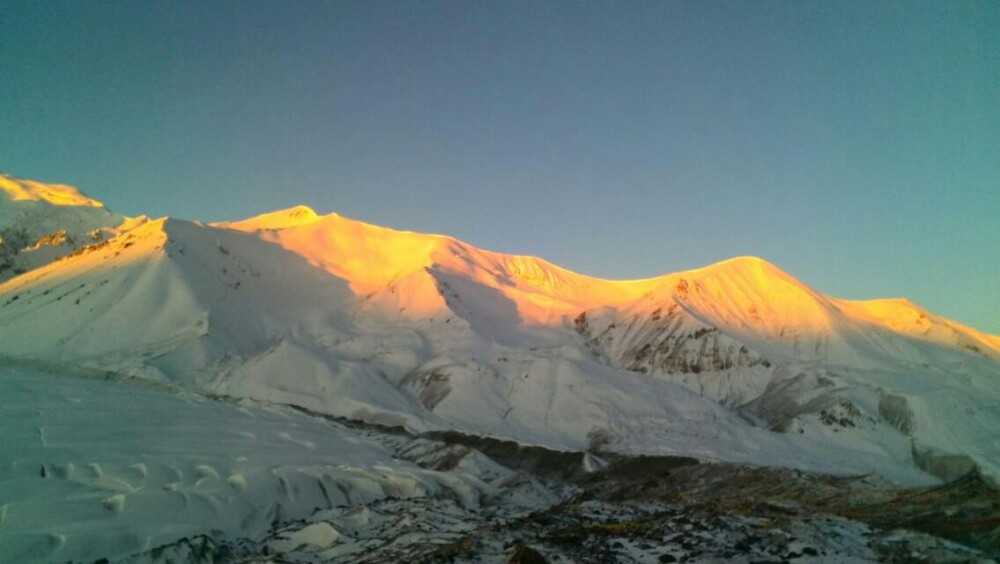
{"x": 279, "y": 219}
{"x": 22, "y": 190}
{"x": 301, "y": 210}
{"x": 745, "y": 263}
{"x": 746, "y": 271}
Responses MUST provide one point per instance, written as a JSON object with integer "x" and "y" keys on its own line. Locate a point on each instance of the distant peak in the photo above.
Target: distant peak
{"x": 744, "y": 266}
{"x": 280, "y": 219}
{"x": 23, "y": 190}
{"x": 747, "y": 280}
{"x": 746, "y": 260}
{"x": 300, "y": 211}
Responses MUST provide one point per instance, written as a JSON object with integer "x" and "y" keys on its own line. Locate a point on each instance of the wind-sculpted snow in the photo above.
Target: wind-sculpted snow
{"x": 109, "y": 470}
{"x": 92, "y": 470}
{"x": 736, "y": 361}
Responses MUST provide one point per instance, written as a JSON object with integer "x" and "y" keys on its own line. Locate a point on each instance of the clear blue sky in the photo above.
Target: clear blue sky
{"x": 854, "y": 144}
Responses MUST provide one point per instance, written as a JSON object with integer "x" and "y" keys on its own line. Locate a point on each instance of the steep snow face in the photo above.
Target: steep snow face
{"x": 205, "y": 296}
{"x": 367, "y": 256}
{"x": 374, "y": 259}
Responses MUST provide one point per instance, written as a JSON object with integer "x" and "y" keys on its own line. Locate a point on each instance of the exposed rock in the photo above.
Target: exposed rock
{"x": 895, "y": 410}
{"x": 524, "y": 554}
{"x": 948, "y": 467}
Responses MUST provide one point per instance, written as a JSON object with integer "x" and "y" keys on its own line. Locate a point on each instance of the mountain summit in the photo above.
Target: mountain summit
{"x": 21, "y": 190}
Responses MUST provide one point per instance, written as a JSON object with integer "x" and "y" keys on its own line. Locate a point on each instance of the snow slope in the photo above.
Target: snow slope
{"x": 427, "y": 332}
{"x": 57, "y": 218}
{"x": 92, "y": 470}
{"x": 754, "y": 338}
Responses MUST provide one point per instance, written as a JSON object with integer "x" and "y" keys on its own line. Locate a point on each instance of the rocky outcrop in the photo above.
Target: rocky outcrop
{"x": 667, "y": 341}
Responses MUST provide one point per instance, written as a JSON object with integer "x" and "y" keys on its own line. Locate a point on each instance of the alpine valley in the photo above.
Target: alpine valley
{"x": 296, "y": 387}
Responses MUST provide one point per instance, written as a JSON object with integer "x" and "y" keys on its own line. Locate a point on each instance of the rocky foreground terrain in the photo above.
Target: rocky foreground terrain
{"x": 569, "y": 507}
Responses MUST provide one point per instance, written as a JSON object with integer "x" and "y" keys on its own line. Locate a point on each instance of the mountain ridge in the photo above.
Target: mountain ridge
{"x": 735, "y": 361}
{"x": 757, "y": 270}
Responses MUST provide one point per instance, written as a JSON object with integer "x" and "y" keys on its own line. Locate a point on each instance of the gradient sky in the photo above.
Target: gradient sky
{"x": 854, "y": 144}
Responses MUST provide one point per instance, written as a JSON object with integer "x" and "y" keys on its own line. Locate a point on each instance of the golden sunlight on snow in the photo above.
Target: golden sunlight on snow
{"x": 56, "y": 194}
{"x": 372, "y": 259}
{"x": 419, "y": 275}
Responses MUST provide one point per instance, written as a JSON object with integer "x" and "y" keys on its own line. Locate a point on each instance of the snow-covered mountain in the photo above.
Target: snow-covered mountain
{"x": 43, "y": 222}
{"x": 737, "y": 361}
{"x": 231, "y": 345}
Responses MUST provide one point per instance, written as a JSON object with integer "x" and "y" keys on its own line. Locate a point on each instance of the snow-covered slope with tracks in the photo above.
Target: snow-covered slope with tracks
{"x": 93, "y": 470}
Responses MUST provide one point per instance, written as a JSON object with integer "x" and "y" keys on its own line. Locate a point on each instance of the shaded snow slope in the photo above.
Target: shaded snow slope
{"x": 189, "y": 478}
{"x": 92, "y": 470}
{"x": 736, "y": 361}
